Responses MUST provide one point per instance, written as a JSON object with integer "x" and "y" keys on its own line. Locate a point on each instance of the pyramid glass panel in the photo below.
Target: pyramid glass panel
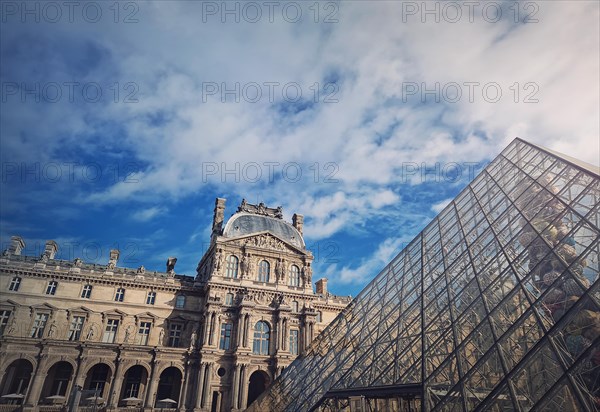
{"x": 494, "y": 306}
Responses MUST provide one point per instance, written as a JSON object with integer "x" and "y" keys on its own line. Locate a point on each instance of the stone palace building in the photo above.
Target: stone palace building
{"x": 115, "y": 338}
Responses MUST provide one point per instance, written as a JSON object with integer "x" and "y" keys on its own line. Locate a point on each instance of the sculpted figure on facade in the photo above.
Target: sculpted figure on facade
{"x": 244, "y": 265}
{"x": 307, "y": 274}
{"x": 279, "y": 271}
{"x": 141, "y": 270}
{"x": 161, "y": 337}
{"x": 217, "y": 261}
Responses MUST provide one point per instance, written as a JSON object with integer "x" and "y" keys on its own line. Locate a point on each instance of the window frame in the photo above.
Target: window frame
{"x": 51, "y": 287}
{"x": 229, "y": 299}
{"x": 180, "y": 301}
{"x": 120, "y": 294}
{"x": 143, "y": 334}
{"x": 175, "y": 330}
{"x": 225, "y": 338}
{"x": 294, "y": 341}
{"x": 4, "y": 318}
{"x": 232, "y": 267}
{"x": 113, "y": 323}
{"x": 294, "y": 276}
{"x": 262, "y": 338}
{"x": 264, "y": 271}
{"x": 15, "y": 284}
{"x": 86, "y": 291}
{"x": 151, "y": 297}
{"x": 75, "y": 329}
{"x": 38, "y": 328}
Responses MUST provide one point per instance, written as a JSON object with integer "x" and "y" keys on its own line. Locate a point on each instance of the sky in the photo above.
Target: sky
{"x": 121, "y": 122}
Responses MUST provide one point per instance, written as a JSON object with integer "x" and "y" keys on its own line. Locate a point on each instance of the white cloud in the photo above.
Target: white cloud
{"x": 144, "y": 215}
{"x": 439, "y": 206}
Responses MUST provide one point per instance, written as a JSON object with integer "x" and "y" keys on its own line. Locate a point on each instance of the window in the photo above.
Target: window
{"x": 294, "y": 276}
{"x": 76, "y": 327}
{"x": 4, "y": 317}
{"x": 319, "y": 316}
{"x": 86, "y": 292}
{"x": 263, "y": 271}
{"x": 14, "y": 284}
{"x": 225, "y": 341}
{"x": 39, "y": 324}
{"x": 229, "y": 299}
{"x": 143, "y": 333}
{"x": 110, "y": 333}
{"x": 261, "y": 338}
{"x": 180, "y": 301}
{"x": 150, "y": 298}
{"x": 175, "y": 335}
{"x": 294, "y": 306}
{"x": 294, "y": 341}
{"x": 51, "y": 288}
{"x": 133, "y": 382}
{"x": 232, "y": 267}
{"x": 120, "y": 295}
{"x": 61, "y": 379}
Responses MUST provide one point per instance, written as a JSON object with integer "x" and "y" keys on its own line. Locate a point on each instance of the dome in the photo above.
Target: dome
{"x": 242, "y": 224}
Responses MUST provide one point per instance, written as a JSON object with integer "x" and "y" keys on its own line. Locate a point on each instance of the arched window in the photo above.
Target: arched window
{"x": 232, "y": 267}
{"x": 229, "y": 299}
{"x": 264, "y": 270}
{"x": 262, "y": 333}
{"x": 294, "y": 276}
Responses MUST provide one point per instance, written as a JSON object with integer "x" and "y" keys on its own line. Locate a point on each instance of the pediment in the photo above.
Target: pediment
{"x": 9, "y": 303}
{"x": 146, "y": 315}
{"x": 264, "y": 240}
{"x": 114, "y": 312}
{"x": 44, "y": 306}
{"x": 80, "y": 309}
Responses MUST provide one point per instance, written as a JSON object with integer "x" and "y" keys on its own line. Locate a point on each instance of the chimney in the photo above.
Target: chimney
{"x": 50, "y": 249}
{"x": 298, "y": 222}
{"x": 16, "y": 245}
{"x": 218, "y": 216}
{"x": 322, "y": 286}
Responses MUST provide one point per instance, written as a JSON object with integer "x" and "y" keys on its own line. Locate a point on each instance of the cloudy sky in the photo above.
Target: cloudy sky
{"x": 121, "y": 122}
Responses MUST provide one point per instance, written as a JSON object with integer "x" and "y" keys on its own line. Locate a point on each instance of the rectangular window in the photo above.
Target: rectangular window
{"x": 143, "y": 333}
{"x": 4, "y": 317}
{"x": 39, "y": 324}
{"x": 120, "y": 295}
{"x": 294, "y": 341}
{"x": 180, "y": 302}
{"x": 175, "y": 335}
{"x": 86, "y": 292}
{"x": 76, "y": 327}
{"x": 14, "y": 284}
{"x": 51, "y": 288}
{"x": 150, "y": 298}
{"x": 225, "y": 341}
{"x": 110, "y": 333}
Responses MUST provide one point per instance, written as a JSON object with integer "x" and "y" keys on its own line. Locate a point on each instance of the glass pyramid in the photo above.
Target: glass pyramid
{"x": 494, "y": 306}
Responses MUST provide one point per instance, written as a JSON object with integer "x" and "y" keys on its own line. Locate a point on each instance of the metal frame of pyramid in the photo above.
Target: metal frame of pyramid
{"x": 495, "y": 305}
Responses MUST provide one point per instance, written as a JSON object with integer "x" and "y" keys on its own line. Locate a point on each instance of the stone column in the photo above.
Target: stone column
{"x": 243, "y": 387}
{"x": 200, "y": 386}
{"x": 115, "y": 390}
{"x": 206, "y": 329}
{"x": 246, "y": 329}
{"x": 235, "y": 386}
{"x": 207, "y": 384}
{"x": 182, "y": 402}
{"x": 35, "y": 388}
{"x": 154, "y": 378}
{"x": 212, "y": 329}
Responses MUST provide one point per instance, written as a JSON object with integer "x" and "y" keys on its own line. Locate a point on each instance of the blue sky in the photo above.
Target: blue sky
{"x": 121, "y": 122}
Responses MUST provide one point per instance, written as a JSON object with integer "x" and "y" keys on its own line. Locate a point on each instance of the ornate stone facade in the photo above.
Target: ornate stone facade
{"x": 134, "y": 339}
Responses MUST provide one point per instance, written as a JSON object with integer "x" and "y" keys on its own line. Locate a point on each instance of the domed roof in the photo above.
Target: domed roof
{"x": 242, "y": 223}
